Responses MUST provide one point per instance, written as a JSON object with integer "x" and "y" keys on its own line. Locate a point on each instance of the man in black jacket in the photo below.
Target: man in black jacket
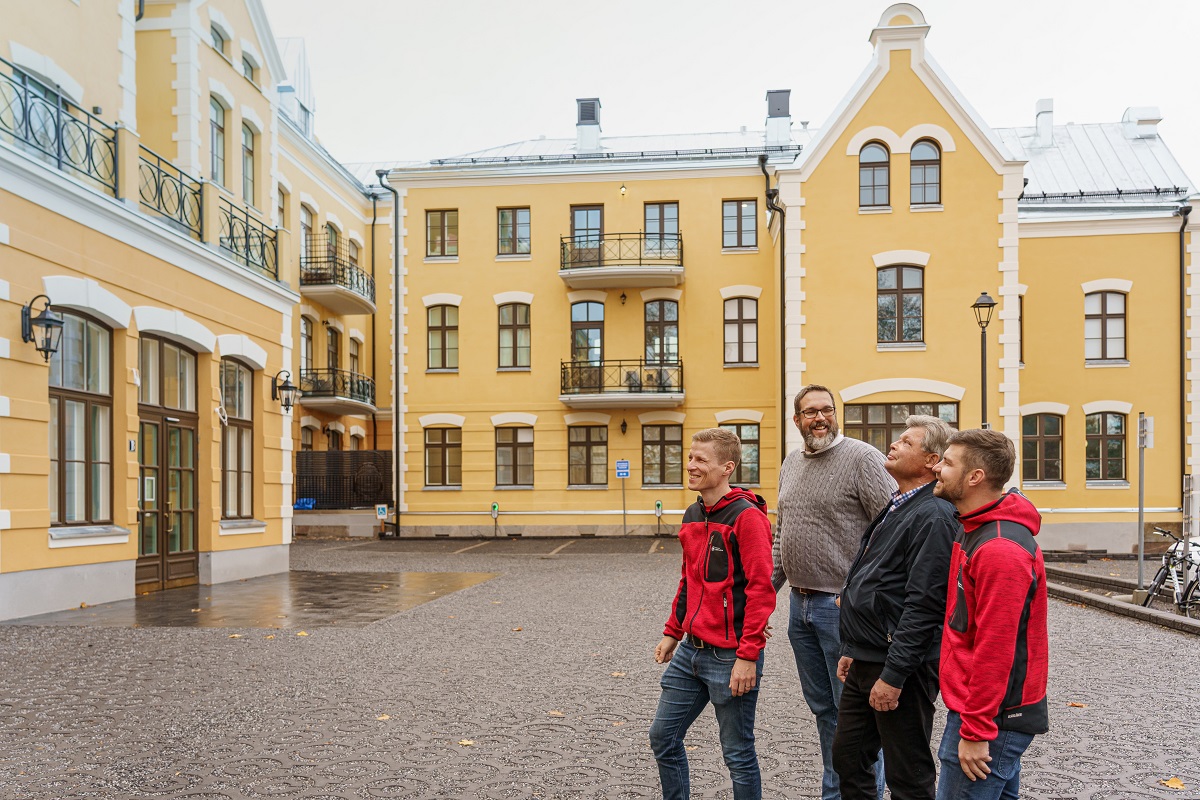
{"x": 892, "y": 609}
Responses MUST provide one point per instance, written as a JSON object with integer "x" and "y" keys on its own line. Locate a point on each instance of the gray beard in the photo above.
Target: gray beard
{"x": 816, "y": 444}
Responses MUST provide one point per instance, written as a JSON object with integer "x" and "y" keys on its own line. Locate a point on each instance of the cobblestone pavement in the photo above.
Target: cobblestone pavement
{"x": 535, "y": 683}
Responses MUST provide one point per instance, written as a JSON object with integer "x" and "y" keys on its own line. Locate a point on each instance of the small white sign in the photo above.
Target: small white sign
{"x": 1147, "y": 434}
{"x": 381, "y": 511}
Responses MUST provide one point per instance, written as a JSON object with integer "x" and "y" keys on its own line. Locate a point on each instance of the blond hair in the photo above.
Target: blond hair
{"x": 725, "y": 442}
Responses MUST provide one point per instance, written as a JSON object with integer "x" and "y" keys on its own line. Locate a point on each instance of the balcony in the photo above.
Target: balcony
{"x": 627, "y": 260}
{"x": 247, "y": 240}
{"x": 329, "y": 276}
{"x": 622, "y": 384}
{"x": 337, "y": 391}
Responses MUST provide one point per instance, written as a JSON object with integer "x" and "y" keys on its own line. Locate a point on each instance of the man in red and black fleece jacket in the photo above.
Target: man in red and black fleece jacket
{"x": 995, "y": 651}
{"x": 715, "y": 634}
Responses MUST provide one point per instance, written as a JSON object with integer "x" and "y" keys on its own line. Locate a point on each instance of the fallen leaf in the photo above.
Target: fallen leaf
{"x": 1113, "y": 575}
{"x": 690, "y": 746}
{"x": 1172, "y": 783}
{"x": 451, "y": 616}
{"x": 235, "y": 636}
{"x": 466, "y": 742}
{"x": 518, "y": 629}
{"x": 618, "y": 674}
{"x": 1076, "y": 705}
{"x": 621, "y": 722}
{"x": 497, "y": 602}
{"x": 382, "y": 717}
{"x": 556, "y": 714}
{"x": 196, "y": 610}
{"x": 81, "y": 605}
{"x": 302, "y": 633}
{"x": 270, "y": 636}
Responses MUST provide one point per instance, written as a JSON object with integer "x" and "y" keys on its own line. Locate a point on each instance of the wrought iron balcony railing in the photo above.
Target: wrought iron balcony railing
{"x": 170, "y": 193}
{"x": 248, "y": 240}
{"x": 622, "y": 250}
{"x": 39, "y": 118}
{"x": 325, "y": 263}
{"x": 337, "y": 383}
{"x": 621, "y": 377}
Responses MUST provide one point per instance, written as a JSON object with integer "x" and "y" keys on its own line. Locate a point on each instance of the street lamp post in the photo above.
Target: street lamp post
{"x": 983, "y": 315}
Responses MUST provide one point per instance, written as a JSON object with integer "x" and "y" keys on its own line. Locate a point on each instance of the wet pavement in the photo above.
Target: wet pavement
{"x": 537, "y": 682}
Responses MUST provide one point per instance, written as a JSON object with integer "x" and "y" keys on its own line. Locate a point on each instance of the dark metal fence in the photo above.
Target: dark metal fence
{"x": 337, "y": 383}
{"x": 249, "y": 240}
{"x": 336, "y": 479}
{"x": 170, "y": 193}
{"x": 621, "y": 377}
{"x": 40, "y": 118}
{"x": 622, "y": 250}
{"x": 324, "y": 263}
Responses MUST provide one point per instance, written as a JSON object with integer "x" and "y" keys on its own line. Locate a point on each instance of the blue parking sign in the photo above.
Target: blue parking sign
{"x": 622, "y": 469}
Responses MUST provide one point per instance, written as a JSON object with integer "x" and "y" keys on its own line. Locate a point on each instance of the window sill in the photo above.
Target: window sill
{"x": 513, "y": 369}
{"x": 1055, "y": 485}
{"x": 237, "y": 527}
{"x": 88, "y": 535}
{"x": 734, "y": 251}
{"x": 441, "y": 259}
{"x": 442, "y": 371}
{"x": 499, "y": 488}
{"x": 663, "y": 486}
{"x": 442, "y": 489}
{"x": 874, "y": 209}
{"x": 1106, "y": 484}
{"x": 917, "y": 209}
{"x": 591, "y": 487}
{"x": 900, "y": 347}
{"x": 743, "y": 365}
{"x": 1105, "y": 363}
{"x": 514, "y": 257}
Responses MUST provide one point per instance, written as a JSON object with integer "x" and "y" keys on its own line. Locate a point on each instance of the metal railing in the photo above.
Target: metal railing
{"x": 622, "y": 250}
{"x": 248, "y": 240}
{"x": 337, "y": 383}
{"x": 41, "y": 119}
{"x": 336, "y": 479}
{"x": 324, "y": 263}
{"x": 621, "y": 377}
{"x": 170, "y": 193}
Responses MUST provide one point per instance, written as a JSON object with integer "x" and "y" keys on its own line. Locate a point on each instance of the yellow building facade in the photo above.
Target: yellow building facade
{"x": 159, "y": 191}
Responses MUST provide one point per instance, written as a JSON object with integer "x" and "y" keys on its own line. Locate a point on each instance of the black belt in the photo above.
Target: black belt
{"x": 700, "y": 644}
{"x": 802, "y": 590}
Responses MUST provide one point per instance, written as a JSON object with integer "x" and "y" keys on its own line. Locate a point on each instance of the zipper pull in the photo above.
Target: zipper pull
{"x": 725, "y": 602}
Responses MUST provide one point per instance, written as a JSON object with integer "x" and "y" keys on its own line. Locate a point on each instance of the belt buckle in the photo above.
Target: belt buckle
{"x": 698, "y": 643}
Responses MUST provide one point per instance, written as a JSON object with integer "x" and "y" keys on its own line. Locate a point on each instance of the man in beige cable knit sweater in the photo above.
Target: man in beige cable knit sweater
{"x": 829, "y": 493}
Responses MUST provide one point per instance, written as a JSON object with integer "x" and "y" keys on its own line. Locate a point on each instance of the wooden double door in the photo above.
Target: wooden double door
{"x": 167, "y": 547}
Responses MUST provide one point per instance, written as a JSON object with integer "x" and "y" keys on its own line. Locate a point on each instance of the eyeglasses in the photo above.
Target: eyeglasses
{"x": 811, "y": 413}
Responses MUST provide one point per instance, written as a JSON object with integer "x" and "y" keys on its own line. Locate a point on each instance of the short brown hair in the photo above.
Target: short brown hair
{"x": 814, "y": 387}
{"x": 725, "y": 442}
{"x": 988, "y": 450}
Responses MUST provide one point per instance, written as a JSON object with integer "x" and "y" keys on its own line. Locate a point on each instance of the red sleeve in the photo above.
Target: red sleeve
{"x": 673, "y": 628}
{"x": 1002, "y": 572}
{"x": 753, "y": 531}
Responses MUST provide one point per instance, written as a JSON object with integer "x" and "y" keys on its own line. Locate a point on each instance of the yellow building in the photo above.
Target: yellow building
{"x": 550, "y": 304}
{"x": 161, "y": 189}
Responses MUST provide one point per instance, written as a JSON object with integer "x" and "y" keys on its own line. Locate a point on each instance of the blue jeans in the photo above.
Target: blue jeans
{"x": 693, "y": 679}
{"x": 1002, "y": 783}
{"x": 813, "y": 630}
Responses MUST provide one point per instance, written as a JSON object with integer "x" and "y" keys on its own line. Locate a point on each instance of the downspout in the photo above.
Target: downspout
{"x": 396, "y": 419}
{"x": 1183, "y": 212}
{"x": 374, "y": 331}
{"x": 771, "y": 195}
{"x": 141, "y": 10}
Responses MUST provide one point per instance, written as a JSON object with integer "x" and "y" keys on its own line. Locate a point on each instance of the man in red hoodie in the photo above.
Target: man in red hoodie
{"x": 714, "y": 637}
{"x": 995, "y": 652}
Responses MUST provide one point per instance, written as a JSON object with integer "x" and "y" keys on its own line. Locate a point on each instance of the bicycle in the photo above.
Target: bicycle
{"x": 1184, "y": 592}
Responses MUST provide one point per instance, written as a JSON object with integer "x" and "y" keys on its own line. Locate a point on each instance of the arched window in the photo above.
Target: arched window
{"x": 237, "y": 445}
{"x": 216, "y": 140}
{"x": 443, "y": 337}
{"x": 873, "y": 163}
{"x": 587, "y": 332}
{"x": 81, "y": 424}
{"x": 248, "y": 164}
{"x": 900, "y": 305}
{"x": 925, "y": 174}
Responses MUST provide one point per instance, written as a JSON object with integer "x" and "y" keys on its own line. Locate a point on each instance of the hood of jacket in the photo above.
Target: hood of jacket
{"x": 734, "y": 494}
{"x": 1012, "y": 506}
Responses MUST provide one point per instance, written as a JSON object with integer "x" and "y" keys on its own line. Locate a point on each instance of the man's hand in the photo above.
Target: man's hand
{"x": 884, "y": 696}
{"x": 743, "y": 677}
{"x": 844, "y": 667}
{"x": 665, "y": 649}
{"x": 973, "y": 758}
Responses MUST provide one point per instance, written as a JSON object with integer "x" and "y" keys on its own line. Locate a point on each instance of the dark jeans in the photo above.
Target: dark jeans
{"x": 903, "y": 733}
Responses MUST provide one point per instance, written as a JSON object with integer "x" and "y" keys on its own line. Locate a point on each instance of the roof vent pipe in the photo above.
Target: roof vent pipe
{"x": 779, "y": 117}
{"x": 1045, "y": 122}
{"x": 587, "y": 125}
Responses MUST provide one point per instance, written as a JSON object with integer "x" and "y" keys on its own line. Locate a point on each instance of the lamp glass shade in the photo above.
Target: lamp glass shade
{"x": 983, "y": 308}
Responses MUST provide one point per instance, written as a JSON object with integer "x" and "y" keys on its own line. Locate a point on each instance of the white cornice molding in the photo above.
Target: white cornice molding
{"x": 587, "y": 296}
{"x": 46, "y": 68}
{"x": 514, "y": 418}
{"x": 1114, "y": 406}
{"x": 1107, "y": 285}
{"x": 453, "y": 420}
{"x": 504, "y": 298}
{"x": 442, "y": 299}
{"x": 85, "y": 294}
{"x": 238, "y": 345}
{"x": 738, "y": 415}
{"x": 1032, "y": 226}
{"x": 895, "y": 257}
{"x": 1045, "y": 407}
{"x": 741, "y": 290}
{"x": 649, "y": 295}
{"x": 175, "y": 325}
{"x": 921, "y": 385}
{"x": 266, "y": 39}
{"x": 522, "y": 173}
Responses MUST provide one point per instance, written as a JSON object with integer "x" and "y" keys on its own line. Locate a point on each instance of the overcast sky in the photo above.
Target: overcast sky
{"x": 402, "y": 79}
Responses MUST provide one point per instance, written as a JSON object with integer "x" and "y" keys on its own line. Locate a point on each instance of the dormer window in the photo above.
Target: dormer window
{"x": 218, "y": 39}
{"x": 249, "y": 70}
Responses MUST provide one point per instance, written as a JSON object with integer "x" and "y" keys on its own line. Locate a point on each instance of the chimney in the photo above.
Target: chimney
{"x": 1045, "y": 123}
{"x": 779, "y": 117}
{"x": 1141, "y": 122}
{"x": 587, "y": 125}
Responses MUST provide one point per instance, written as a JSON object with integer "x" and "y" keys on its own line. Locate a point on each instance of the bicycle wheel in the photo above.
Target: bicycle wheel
{"x": 1152, "y": 599}
{"x": 1191, "y": 601}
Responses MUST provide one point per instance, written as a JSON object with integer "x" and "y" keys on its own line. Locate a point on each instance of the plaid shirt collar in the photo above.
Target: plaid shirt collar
{"x": 900, "y": 498}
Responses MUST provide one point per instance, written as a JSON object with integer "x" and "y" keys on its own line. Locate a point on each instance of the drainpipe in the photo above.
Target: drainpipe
{"x": 141, "y": 10}
{"x": 374, "y": 332}
{"x": 1183, "y": 212}
{"x": 396, "y": 418}
{"x": 771, "y": 195}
